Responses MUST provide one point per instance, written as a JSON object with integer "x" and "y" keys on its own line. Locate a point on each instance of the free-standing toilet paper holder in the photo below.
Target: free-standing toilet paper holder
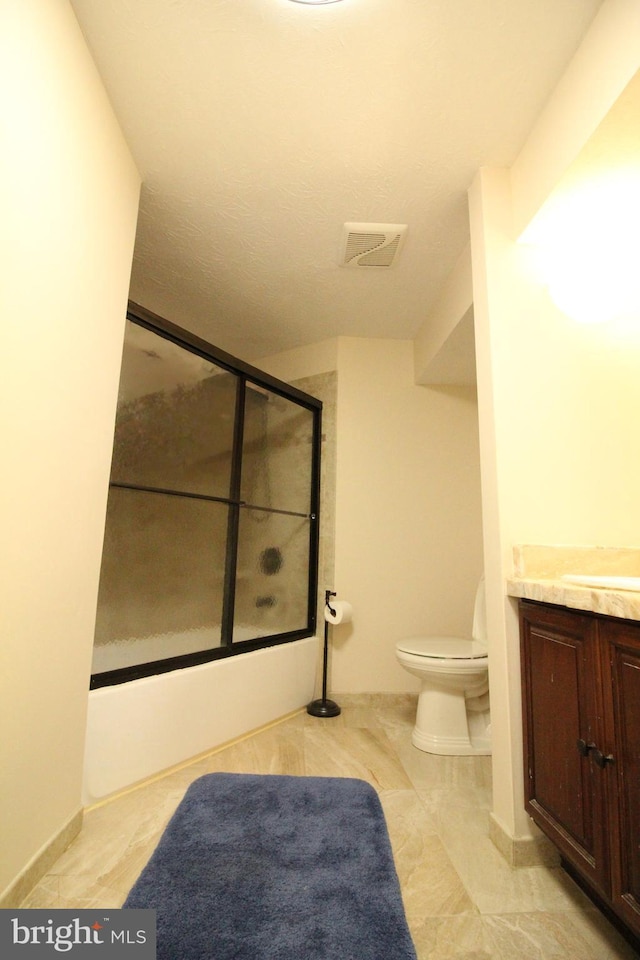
{"x": 324, "y": 707}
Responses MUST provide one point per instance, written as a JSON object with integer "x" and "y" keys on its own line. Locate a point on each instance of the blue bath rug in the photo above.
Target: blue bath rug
{"x": 254, "y": 867}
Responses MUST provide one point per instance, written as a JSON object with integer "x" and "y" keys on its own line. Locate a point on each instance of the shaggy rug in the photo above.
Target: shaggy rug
{"x": 255, "y": 867}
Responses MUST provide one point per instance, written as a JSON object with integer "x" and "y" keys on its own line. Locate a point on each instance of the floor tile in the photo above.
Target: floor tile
{"x": 462, "y": 900}
{"x": 455, "y": 938}
{"x": 552, "y": 936}
{"x": 354, "y": 752}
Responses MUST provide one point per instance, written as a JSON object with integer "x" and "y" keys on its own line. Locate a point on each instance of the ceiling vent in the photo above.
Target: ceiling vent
{"x": 371, "y": 244}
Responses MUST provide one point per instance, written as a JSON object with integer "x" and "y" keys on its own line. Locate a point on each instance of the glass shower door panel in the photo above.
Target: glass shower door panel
{"x": 175, "y": 418}
{"x": 162, "y": 578}
{"x": 273, "y": 575}
{"x": 276, "y": 452}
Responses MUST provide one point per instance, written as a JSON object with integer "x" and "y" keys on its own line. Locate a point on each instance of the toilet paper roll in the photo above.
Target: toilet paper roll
{"x": 343, "y": 612}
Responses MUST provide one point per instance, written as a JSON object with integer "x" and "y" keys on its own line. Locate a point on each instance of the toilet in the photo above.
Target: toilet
{"x": 453, "y": 716}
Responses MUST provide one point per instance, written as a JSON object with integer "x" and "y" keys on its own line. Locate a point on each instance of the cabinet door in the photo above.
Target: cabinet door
{"x": 562, "y": 728}
{"x": 622, "y": 677}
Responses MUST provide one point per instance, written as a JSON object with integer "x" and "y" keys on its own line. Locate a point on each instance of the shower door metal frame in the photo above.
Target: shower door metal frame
{"x": 246, "y": 375}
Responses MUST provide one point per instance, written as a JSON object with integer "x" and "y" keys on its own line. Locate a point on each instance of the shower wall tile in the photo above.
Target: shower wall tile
{"x": 324, "y": 386}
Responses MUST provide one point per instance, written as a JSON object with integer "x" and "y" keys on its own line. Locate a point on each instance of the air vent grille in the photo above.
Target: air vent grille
{"x": 371, "y": 244}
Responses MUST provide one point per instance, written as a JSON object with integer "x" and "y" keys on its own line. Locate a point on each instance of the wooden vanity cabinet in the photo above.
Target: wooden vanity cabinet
{"x": 581, "y": 719}
{"x": 621, "y": 675}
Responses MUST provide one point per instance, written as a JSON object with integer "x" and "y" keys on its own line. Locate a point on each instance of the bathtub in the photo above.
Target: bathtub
{"x": 138, "y": 729}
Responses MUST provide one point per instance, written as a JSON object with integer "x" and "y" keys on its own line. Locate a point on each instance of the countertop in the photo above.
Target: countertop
{"x": 538, "y": 571}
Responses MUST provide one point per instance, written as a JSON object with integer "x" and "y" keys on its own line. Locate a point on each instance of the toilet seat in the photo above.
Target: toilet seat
{"x": 443, "y": 648}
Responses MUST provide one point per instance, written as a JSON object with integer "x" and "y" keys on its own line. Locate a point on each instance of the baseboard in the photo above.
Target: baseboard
{"x": 40, "y": 864}
{"x": 523, "y": 851}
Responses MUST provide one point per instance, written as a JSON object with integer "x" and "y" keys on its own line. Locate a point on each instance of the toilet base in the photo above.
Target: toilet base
{"x": 451, "y": 724}
{"x": 451, "y": 746}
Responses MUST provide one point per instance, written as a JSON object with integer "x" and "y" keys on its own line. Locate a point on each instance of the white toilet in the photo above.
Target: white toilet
{"x": 453, "y": 716}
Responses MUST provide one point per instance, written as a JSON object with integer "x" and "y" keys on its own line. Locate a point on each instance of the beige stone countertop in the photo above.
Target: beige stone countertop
{"x": 539, "y": 568}
{"x": 612, "y": 603}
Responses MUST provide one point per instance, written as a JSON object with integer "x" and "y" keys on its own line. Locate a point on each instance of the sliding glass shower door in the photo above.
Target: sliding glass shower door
{"x": 273, "y": 533}
{"x": 211, "y": 531}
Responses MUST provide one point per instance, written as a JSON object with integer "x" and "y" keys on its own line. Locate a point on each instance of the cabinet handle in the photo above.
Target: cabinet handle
{"x": 601, "y": 759}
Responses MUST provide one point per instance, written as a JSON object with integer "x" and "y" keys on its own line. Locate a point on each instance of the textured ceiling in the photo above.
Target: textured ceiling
{"x": 261, "y": 126}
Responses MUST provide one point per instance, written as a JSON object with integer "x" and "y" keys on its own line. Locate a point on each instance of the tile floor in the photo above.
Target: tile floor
{"x": 463, "y": 902}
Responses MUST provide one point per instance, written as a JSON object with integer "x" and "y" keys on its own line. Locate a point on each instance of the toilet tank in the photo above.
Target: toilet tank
{"x": 479, "y": 627}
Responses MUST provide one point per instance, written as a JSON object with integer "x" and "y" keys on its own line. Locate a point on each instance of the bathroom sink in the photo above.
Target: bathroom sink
{"x": 605, "y": 583}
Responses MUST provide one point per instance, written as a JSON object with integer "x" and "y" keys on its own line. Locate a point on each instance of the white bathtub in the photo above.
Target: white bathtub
{"x": 140, "y": 728}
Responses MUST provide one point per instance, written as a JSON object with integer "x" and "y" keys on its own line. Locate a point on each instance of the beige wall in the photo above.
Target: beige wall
{"x": 431, "y": 345}
{"x": 408, "y": 526}
{"x": 68, "y": 234}
{"x": 557, "y": 399}
{"x": 603, "y": 65}
{"x": 408, "y": 550}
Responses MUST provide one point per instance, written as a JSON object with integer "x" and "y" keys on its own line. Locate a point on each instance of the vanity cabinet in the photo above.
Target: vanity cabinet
{"x": 581, "y": 719}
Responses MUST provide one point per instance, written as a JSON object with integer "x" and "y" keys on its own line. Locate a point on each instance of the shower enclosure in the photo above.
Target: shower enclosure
{"x": 211, "y": 535}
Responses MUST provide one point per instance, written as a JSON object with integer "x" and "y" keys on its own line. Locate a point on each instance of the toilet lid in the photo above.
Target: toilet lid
{"x": 449, "y": 648}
